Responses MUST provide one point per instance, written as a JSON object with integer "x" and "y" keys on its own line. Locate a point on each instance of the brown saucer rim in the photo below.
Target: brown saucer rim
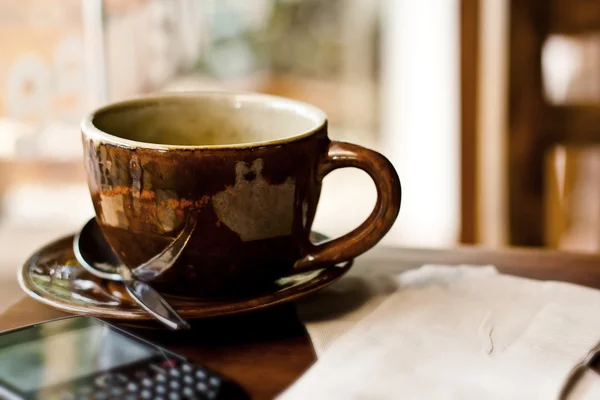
{"x": 202, "y": 308}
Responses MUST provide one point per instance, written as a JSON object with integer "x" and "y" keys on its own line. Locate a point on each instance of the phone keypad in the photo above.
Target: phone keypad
{"x": 169, "y": 380}
{"x": 172, "y": 381}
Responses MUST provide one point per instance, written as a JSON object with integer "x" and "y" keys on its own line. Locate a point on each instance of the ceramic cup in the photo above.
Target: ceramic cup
{"x": 240, "y": 173}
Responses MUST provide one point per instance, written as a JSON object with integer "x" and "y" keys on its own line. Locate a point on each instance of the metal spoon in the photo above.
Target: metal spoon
{"x": 94, "y": 254}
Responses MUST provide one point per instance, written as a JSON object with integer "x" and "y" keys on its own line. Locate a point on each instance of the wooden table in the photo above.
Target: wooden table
{"x": 266, "y": 351}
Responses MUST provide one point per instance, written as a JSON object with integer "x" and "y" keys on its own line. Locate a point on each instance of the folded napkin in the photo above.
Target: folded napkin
{"x": 441, "y": 332}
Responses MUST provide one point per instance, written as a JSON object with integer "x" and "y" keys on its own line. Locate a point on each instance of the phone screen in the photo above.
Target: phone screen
{"x": 60, "y": 351}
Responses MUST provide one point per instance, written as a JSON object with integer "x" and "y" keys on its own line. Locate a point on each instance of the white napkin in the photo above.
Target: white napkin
{"x": 441, "y": 332}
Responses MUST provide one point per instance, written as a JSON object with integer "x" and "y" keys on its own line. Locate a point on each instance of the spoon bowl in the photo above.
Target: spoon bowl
{"x": 94, "y": 254}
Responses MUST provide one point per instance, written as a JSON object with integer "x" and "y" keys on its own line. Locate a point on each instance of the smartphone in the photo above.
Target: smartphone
{"x": 79, "y": 358}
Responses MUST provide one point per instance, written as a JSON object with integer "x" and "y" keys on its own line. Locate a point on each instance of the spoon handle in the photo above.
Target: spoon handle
{"x": 151, "y": 301}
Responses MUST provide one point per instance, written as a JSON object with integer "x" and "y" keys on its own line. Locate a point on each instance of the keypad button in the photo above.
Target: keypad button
{"x": 100, "y": 396}
{"x": 161, "y": 378}
{"x": 188, "y": 391}
{"x": 174, "y": 372}
{"x": 201, "y": 386}
{"x": 130, "y": 397}
{"x": 121, "y": 378}
{"x": 147, "y": 382}
{"x": 116, "y": 391}
{"x": 213, "y": 381}
{"x": 169, "y": 363}
{"x": 200, "y": 374}
{"x": 108, "y": 380}
{"x": 160, "y": 389}
{"x": 146, "y": 394}
{"x": 158, "y": 369}
{"x": 174, "y": 385}
{"x": 211, "y": 394}
{"x": 188, "y": 379}
{"x": 187, "y": 367}
{"x": 174, "y": 396}
{"x": 132, "y": 387}
{"x": 139, "y": 375}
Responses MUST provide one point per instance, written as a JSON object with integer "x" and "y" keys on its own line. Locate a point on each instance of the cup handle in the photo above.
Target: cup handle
{"x": 361, "y": 239}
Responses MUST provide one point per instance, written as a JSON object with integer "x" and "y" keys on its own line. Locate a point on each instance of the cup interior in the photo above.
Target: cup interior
{"x": 206, "y": 119}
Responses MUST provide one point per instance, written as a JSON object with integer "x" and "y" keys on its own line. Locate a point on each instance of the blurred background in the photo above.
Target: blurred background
{"x": 487, "y": 108}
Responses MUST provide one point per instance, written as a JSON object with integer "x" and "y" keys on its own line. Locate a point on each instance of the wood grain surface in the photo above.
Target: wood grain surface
{"x": 266, "y": 351}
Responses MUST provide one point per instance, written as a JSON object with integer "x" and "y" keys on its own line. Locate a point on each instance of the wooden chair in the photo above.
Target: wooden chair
{"x": 535, "y": 125}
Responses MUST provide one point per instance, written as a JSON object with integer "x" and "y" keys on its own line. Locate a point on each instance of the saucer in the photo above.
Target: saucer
{"x": 53, "y": 276}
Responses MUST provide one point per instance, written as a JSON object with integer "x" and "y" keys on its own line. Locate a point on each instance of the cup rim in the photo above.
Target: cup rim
{"x": 306, "y": 110}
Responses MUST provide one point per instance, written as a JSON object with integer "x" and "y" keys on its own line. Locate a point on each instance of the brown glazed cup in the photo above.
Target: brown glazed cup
{"x": 240, "y": 173}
